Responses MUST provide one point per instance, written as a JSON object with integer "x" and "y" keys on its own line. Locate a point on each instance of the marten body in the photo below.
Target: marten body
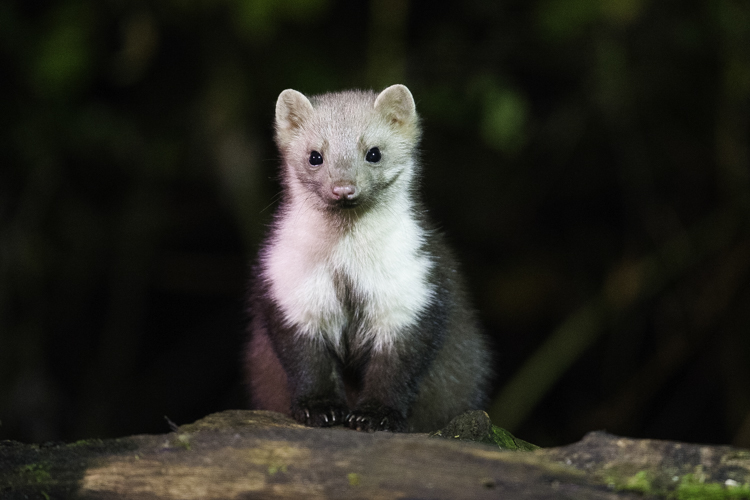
{"x": 358, "y": 313}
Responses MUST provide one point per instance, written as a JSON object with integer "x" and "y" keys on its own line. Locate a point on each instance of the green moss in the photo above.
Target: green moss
{"x": 353, "y": 478}
{"x": 274, "y": 468}
{"x": 738, "y": 455}
{"x": 641, "y": 481}
{"x": 689, "y": 487}
{"x": 692, "y": 487}
{"x": 35, "y": 473}
{"x": 183, "y": 440}
{"x": 508, "y": 441}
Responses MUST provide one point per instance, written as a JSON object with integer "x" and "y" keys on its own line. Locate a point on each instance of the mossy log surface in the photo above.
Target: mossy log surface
{"x": 245, "y": 454}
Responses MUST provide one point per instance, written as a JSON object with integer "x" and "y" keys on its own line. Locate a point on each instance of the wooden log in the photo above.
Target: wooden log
{"x": 249, "y": 454}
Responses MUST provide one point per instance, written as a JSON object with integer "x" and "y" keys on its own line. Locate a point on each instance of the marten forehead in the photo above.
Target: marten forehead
{"x": 349, "y": 100}
{"x": 345, "y": 116}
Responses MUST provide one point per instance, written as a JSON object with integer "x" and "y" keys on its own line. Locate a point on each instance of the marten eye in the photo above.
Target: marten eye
{"x": 315, "y": 158}
{"x": 373, "y": 155}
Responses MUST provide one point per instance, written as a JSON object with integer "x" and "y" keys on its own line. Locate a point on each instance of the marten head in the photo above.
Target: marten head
{"x": 349, "y": 150}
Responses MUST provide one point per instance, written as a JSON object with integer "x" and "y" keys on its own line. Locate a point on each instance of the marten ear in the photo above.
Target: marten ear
{"x": 396, "y": 104}
{"x": 292, "y": 110}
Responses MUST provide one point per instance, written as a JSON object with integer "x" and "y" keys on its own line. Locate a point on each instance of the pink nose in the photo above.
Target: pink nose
{"x": 345, "y": 192}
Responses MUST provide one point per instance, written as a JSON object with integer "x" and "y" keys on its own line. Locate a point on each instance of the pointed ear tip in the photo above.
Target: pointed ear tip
{"x": 398, "y": 87}
{"x": 396, "y": 93}
{"x": 286, "y": 94}
{"x": 291, "y": 102}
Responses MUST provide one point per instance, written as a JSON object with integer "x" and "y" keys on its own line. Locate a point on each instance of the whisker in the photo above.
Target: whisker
{"x": 274, "y": 199}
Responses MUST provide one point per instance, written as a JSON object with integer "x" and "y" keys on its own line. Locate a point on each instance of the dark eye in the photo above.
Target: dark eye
{"x": 315, "y": 158}
{"x": 373, "y": 155}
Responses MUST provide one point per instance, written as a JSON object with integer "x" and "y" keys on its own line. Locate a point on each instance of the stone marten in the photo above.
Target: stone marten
{"x": 358, "y": 312}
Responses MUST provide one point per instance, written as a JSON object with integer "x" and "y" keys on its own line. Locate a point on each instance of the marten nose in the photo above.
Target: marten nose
{"x": 346, "y": 192}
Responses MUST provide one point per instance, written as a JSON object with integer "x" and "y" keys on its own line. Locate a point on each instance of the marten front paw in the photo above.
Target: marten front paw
{"x": 319, "y": 413}
{"x": 376, "y": 418}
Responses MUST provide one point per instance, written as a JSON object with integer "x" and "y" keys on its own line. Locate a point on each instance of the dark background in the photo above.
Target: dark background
{"x": 588, "y": 160}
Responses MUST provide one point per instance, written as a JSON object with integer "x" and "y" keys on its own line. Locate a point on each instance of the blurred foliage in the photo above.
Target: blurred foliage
{"x": 588, "y": 159}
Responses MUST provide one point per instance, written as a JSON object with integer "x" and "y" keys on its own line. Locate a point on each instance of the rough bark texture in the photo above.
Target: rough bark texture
{"x": 244, "y": 454}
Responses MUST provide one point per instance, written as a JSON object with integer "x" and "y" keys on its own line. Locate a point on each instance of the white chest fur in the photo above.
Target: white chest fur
{"x": 380, "y": 257}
